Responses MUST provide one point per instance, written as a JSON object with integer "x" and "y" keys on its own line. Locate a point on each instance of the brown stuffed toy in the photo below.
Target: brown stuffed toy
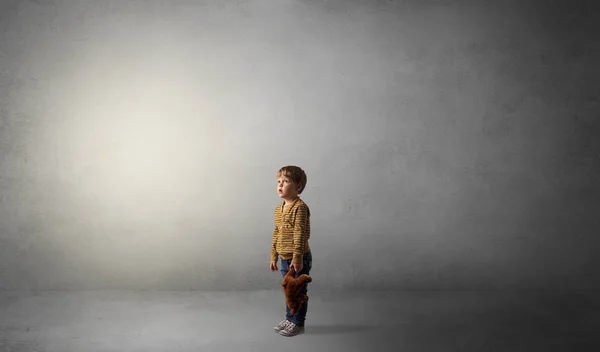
{"x": 291, "y": 289}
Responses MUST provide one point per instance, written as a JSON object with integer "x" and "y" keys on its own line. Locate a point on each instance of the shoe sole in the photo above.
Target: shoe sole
{"x": 301, "y": 331}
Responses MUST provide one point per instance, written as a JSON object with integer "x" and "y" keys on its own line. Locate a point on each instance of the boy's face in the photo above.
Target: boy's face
{"x": 286, "y": 188}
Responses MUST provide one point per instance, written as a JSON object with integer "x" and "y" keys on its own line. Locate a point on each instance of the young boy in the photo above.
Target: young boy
{"x": 290, "y": 240}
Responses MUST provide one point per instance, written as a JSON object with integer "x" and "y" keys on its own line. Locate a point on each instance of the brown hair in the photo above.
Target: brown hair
{"x": 294, "y": 173}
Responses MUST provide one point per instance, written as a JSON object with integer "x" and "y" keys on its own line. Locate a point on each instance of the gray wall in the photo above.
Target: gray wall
{"x": 448, "y": 144}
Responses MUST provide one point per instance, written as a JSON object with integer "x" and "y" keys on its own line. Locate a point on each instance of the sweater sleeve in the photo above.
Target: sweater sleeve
{"x": 300, "y": 234}
{"x": 274, "y": 254}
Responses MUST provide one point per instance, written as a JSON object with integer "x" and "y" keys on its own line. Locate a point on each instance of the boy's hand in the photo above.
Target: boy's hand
{"x": 298, "y": 267}
{"x": 273, "y": 266}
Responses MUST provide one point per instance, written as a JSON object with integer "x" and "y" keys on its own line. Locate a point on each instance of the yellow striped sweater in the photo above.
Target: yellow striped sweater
{"x": 291, "y": 232}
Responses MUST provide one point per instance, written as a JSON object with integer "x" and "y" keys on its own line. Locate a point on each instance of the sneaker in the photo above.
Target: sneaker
{"x": 282, "y": 325}
{"x": 291, "y": 329}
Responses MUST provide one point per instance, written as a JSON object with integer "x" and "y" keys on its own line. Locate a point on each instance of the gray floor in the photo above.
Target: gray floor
{"x": 89, "y": 321}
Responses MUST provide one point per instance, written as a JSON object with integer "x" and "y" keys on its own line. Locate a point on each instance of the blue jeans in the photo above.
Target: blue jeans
{"x": 300, "y": 315}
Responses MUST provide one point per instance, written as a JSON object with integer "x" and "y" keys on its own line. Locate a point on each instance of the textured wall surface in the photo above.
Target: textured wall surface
{"x": 448, "y": 144}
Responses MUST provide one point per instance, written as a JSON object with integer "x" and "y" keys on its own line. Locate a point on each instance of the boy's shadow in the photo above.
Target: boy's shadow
{"x": 336, "y": 329}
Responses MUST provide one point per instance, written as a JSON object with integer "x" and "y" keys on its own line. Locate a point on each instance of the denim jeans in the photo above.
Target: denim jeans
{"x": 300, "y": 315}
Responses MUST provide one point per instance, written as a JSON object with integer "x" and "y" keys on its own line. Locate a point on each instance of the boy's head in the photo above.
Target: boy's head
{"x": 291, "y": 181}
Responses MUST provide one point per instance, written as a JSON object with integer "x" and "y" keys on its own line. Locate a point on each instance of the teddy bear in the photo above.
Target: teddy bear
{"x": 292, "y": 287}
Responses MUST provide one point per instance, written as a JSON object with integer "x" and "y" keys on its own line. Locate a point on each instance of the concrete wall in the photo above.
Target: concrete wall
{"x": 448, "y": 144}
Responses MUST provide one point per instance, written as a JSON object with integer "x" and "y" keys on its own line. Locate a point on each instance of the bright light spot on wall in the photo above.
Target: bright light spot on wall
{"x": 138, "y": 124}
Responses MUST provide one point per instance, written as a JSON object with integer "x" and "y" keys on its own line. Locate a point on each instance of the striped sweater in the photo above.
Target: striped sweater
{"x": 291, "y": 232}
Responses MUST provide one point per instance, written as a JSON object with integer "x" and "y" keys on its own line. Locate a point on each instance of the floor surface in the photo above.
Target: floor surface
{"x": 90, "y": 321}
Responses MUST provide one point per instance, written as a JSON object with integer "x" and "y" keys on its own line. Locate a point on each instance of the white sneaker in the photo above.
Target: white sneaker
{"x": 282, "y": 325}
{"x": 291, "y": 329}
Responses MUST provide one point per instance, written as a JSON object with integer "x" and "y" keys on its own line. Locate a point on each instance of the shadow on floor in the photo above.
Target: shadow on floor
{"x": 336, "y": 329}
